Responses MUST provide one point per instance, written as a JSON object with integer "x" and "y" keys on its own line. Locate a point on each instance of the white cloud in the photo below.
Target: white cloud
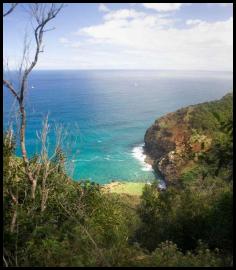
{"x": 123, "y": 14}
{"x": 225, "y": 4}
{"x": 68, "y": 43}
{"x": 76, "y": 44}
{"x": 163, "y": 7}
{"x": 103, "y": 8}
{"x": 150, "y": 41}
{"x": 193, "y": 22}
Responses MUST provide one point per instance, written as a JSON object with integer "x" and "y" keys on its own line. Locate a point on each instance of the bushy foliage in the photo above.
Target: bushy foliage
{"x": 216, "y": 120}
{"x": 208, "y": 116}
{"x": 200, "y": 211}
{"x": 168, "y": 255}
{"x": 80, "y": 226}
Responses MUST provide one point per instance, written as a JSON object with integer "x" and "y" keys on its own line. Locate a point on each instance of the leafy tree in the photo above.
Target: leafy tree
{"x": 187, "y": 215}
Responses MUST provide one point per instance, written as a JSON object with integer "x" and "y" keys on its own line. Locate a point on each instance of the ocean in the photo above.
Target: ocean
{"x": 103, "y": 115}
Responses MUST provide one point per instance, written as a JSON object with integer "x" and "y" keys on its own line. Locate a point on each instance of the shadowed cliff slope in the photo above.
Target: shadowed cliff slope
{"x": 177, "y": 141}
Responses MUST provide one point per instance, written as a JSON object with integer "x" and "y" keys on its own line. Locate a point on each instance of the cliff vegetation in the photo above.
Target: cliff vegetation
{"x": 193, "y": 142}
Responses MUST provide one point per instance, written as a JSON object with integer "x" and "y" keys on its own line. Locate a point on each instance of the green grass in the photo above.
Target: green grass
{"x": 130, "y": 188}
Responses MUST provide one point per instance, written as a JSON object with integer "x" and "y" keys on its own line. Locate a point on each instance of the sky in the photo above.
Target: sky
{"x": 166, "y": 36}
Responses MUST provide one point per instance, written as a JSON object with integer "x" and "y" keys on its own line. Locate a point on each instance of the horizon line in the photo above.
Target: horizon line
{"x": 123, "y": 69}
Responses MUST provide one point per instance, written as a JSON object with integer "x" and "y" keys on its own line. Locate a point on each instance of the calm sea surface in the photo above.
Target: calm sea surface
{"x": 104, "y": 114}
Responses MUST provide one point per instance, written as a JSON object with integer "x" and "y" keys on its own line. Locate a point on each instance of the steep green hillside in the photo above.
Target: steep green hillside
{"x": 195, "y": 138}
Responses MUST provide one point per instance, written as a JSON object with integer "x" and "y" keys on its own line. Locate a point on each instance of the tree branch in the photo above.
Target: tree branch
{"x": 42, "y": 14}
{"x": 11, "y": 88}
{"x": 13, "y": 5}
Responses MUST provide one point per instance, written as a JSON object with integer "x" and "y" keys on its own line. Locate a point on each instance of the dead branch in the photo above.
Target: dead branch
{"x": 13, "y": 5}
{"x": 11, "y": 88}
{"x": 5, "y": 262}
{"x": 42, "y": 14}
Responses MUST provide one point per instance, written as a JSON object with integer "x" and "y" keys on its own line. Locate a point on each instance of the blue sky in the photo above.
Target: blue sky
{"x": 129, "y": 36}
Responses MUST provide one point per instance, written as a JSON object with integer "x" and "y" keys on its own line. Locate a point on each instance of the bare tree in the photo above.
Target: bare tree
{"x": 44, "y": 161}
{"x": 41, "y": 14}
{"x": 12, "y": 7}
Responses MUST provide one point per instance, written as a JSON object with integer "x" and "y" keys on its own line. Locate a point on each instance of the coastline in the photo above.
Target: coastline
{"x": 136, "y": 188}
{"x": 139, "y": 153}
{"x": 158, "y": 175}
{"x": 148, "y": 159}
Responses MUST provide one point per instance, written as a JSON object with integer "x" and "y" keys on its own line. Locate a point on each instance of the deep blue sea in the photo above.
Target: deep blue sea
{"x": 104, "y": 114}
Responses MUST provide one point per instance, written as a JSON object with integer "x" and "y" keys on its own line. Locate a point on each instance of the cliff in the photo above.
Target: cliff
{"x": 175, "y": 141}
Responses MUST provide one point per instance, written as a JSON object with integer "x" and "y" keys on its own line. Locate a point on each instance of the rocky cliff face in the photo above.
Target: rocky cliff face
{"x": 173, "y": 144}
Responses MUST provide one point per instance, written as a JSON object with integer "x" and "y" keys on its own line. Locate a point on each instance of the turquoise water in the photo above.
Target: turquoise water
{"x": 105, "y": 114}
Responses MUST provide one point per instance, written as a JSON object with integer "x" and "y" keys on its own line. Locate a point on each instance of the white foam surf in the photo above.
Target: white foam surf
{"x": 162, "y": 184}
{"x": 84, "y": 160}
{"x": 138, "y": 153}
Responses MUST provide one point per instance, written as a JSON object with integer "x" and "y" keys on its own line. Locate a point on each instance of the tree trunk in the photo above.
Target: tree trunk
{"x": 33, "y": 188}
{"x": 32, "y": 180}
{"x": 13, "y": 221}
